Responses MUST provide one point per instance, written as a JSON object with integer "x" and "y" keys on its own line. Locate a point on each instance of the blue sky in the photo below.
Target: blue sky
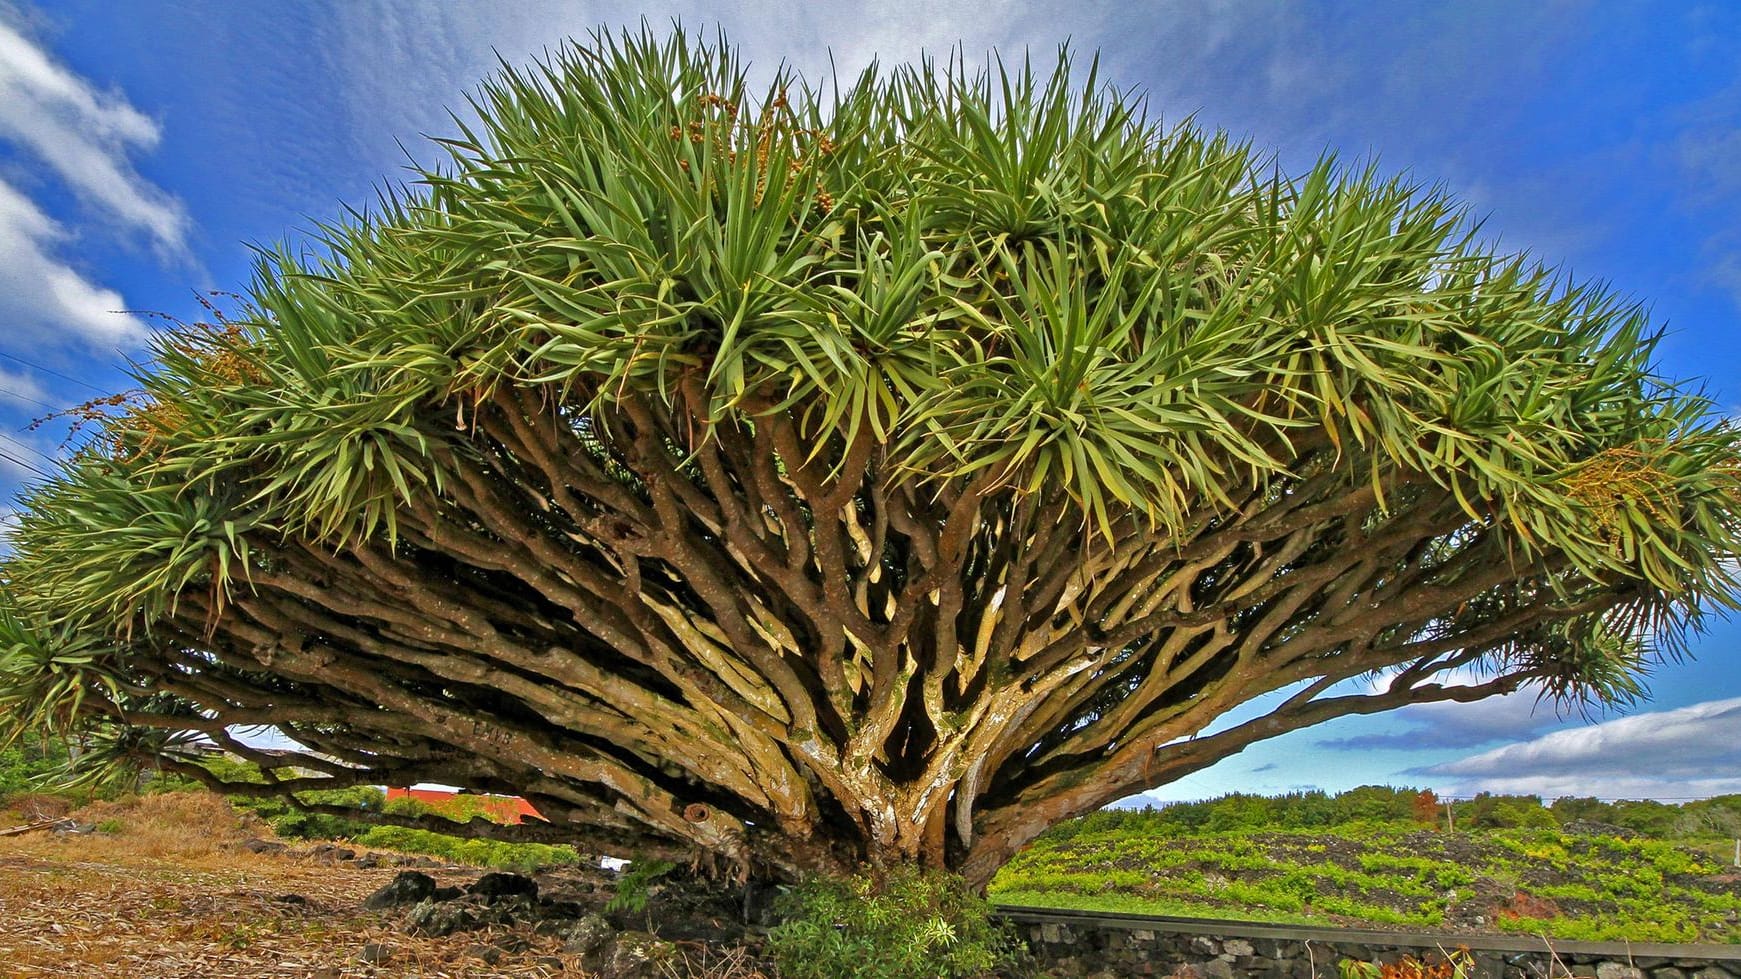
{"x": 144, "y": 146}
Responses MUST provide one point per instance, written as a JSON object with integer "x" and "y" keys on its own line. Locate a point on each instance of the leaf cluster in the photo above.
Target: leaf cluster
{"x": 906, "y": 924}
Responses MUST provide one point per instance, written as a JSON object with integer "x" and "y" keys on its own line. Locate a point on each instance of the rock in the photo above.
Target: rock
{"x": 498, "y": 884}
{"x": 439, "y": 918}
{"x": 1203, "y": 945}
{"x": 1218, "y": 969}
{"x": 435, "y": 917}
{"x": 448, "y": 893}
{"x": 489, "y": 953}
{"x": 368, "y": 861}
{"x": 264, "y": 846}
{"x": 329, "y": 853}
{"x": 1667, "y": 972}
{"x": 560, "y": 913}
{"x": 409, "y": 887}
{"x": 588, "y": 935}
{"x": 1591, "y": 827}
{"x": 1617, "y": 970}
{"x": 758, "y": 903}
{"x": 1713, "y": 972}
{"x": 1239, "y": 948}
{"x": 375, "y": 953}
{"x": 636, "y": 955}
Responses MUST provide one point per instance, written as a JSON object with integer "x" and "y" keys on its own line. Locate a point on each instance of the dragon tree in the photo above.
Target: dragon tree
{"x": 795, "y": 478}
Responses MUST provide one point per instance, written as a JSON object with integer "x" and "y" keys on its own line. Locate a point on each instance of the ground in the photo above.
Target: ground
{"x": 173, "y": 891}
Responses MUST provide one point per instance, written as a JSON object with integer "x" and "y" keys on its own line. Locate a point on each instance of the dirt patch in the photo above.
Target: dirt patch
{"x": 182, "y": 886}
{"x": 141, "y": 904}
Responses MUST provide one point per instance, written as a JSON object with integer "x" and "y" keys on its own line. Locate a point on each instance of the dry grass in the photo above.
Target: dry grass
{"x": 172, "y": 893}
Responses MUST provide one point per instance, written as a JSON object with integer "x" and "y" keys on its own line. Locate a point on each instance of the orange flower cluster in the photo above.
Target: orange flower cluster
{"x": 720, "y": 119}
{"x": 1615, "y": 478}
{"x": 222, "y": 350}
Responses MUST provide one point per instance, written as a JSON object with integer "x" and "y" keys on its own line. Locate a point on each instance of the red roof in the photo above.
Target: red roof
{"x": 507, "y": 809}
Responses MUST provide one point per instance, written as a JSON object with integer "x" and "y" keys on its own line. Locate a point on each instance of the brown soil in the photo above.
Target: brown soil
{"x": 173, "y": 893}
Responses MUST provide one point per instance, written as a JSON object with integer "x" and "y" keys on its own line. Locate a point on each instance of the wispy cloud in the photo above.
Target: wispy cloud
{"x": 22, "y": 390}
{"x": 41, "y": 295}
{"x": 1707, "y": 153}
{"x": 404, "y": 62}
{"x": 1287, "y": 75}
{"x": 85, "y": 136}
{"x": 21, "y": 461}
{"x": 1682, "y": 753}
{"x": 1454, "y": 725}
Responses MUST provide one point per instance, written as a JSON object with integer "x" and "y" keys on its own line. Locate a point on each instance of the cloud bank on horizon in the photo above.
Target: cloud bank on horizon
{"x": 1686, "y": 752}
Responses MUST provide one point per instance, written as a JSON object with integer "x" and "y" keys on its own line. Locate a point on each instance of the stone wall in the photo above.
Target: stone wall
{"x": 1117, "y": 947}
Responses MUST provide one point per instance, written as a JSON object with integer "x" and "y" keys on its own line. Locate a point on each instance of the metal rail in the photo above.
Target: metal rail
{"x": 1228, "y": 928}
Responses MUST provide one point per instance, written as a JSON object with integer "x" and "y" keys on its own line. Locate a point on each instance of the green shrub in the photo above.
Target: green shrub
{"x": 633, "y": 887}
{"x": 26, "y": 762}
{"x": 909, "y": 924}
{"x": 290, "y": 822}
{"x": 522, "y": 857}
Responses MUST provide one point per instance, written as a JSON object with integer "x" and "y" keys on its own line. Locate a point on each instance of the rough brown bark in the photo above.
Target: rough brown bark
{"x": 737, "y": 641}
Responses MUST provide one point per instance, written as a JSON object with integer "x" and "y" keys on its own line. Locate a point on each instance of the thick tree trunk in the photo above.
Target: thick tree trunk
{"x": 735, "y": 641}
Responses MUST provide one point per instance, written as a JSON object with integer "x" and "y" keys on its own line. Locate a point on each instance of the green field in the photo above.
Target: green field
{"x": 1585, "y": 880}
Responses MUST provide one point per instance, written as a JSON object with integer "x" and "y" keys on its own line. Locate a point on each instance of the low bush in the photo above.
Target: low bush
{"x": 634, "y": 887}
{"x": 291, "y": 822}
{"x": 907, "y": 924}
{"x": 522, "y": 857}
{"x": 27, "y": 764}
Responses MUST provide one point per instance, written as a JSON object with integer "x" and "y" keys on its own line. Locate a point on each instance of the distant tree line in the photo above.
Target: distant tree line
{"x": 1714, "y": 817}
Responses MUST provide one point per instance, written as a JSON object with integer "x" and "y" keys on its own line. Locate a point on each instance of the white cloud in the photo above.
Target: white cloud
{"x": 405, "y": 62}
{"x": 1686, "y": 752}
{"x": 22, "y": 390}
{"x": 41, "y": 296}
{"x": 1454, "y": 725}
{"x": 85, "y": 135}
{"x": 1269, "y": 71}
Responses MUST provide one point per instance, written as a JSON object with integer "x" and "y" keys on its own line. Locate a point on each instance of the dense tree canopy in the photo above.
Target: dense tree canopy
{"x": 886, "y": 472}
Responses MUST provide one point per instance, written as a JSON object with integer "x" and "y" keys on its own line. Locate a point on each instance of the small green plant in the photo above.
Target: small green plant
{"x": 521, "y": 857}
{"x": 634, "y": 887}
{"x": 110, "y": 827}
{"x": 906, "y": 924}
{"x": 1356, "y": 969}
